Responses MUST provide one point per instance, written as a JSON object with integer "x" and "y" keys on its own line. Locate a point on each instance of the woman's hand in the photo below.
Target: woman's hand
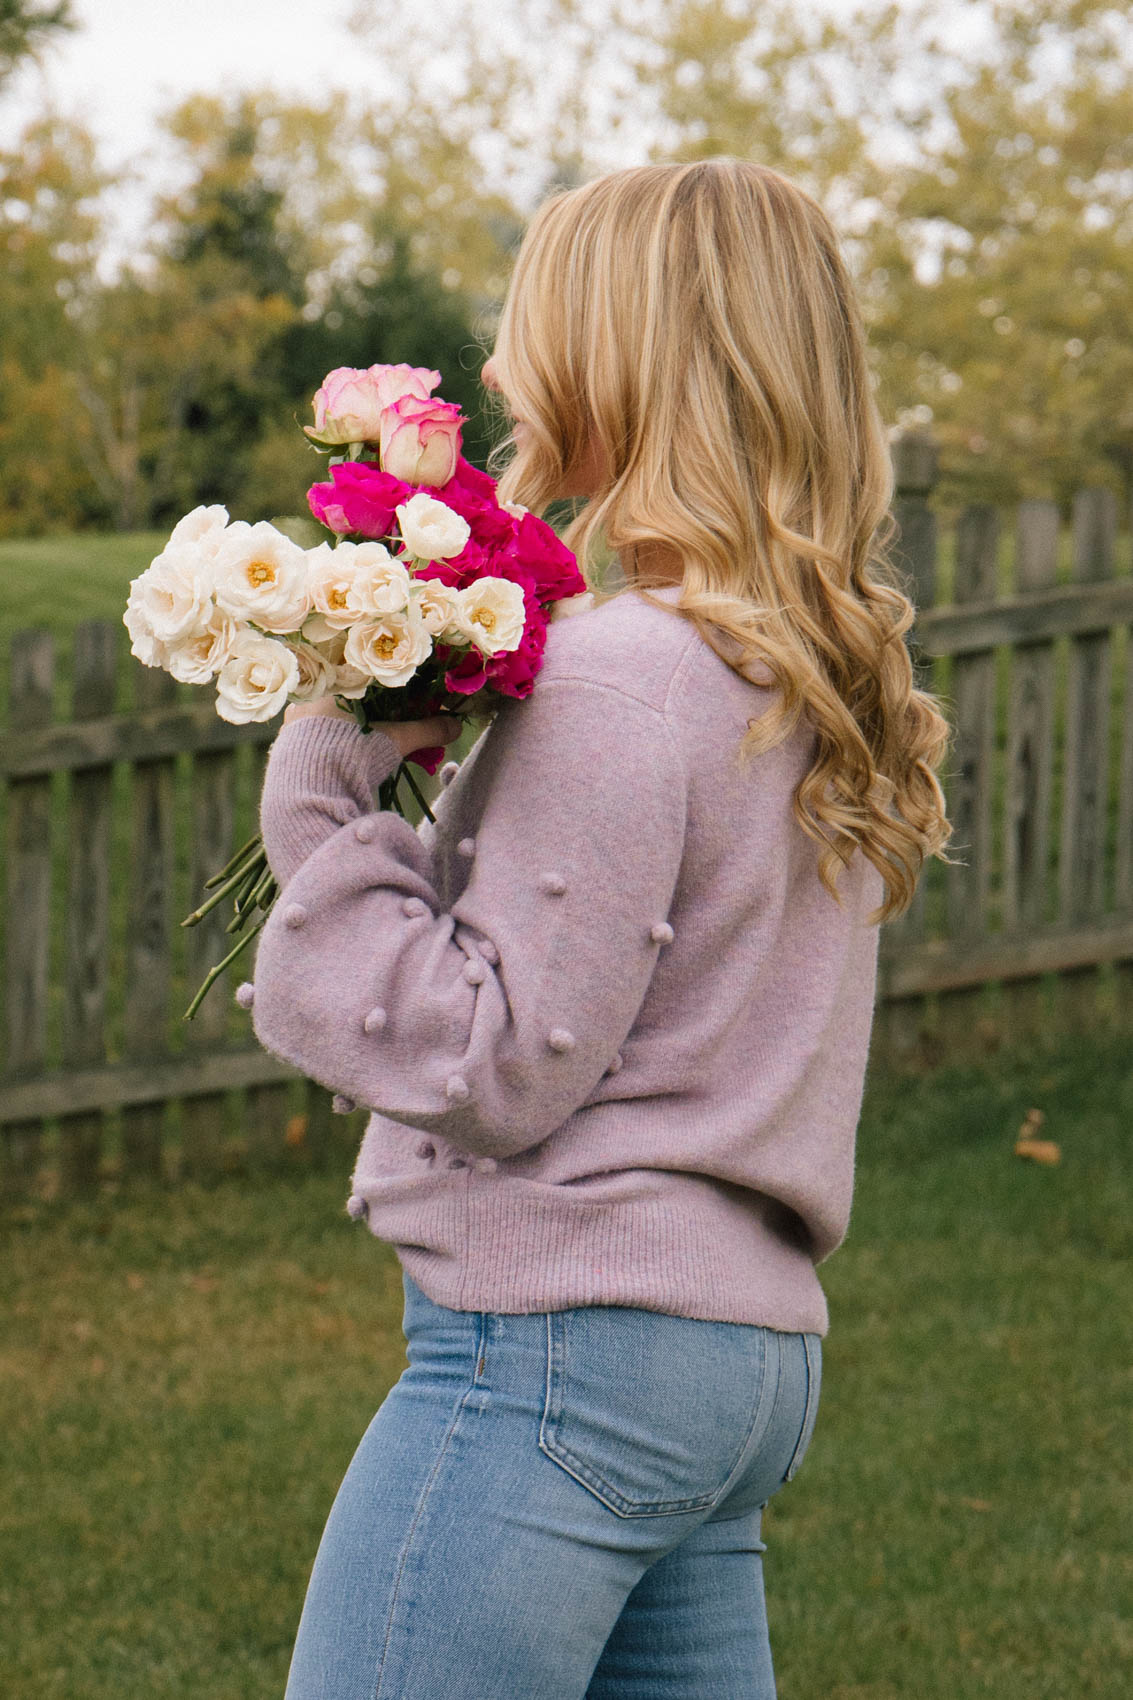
{"x": 408, "y": 735}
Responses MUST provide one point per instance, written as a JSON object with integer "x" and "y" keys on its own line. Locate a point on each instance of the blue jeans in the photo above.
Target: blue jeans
{"x": 560, "y": 1506}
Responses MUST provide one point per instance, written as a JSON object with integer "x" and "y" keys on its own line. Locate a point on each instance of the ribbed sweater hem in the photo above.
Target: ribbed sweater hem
{"x": 479, "y": 1242}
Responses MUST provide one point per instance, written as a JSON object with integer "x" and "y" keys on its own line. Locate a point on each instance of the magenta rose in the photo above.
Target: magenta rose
{"x": 420, "y": 440}
{"x": 360, "y": 498}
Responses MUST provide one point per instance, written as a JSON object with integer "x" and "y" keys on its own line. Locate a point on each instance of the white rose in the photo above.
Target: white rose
{"x": 379, "y": 584}
{"x": 261, "y": 576}
{"x": 438, "y": 606}
{"x": 204, "y": 528}
{"x": 389, "y": 648}
{"x": 568, "y": 605}
{"x": 136, "y": 620}
{"x": 316, "y": 672}
{"x": 330, "y": 573}
{"x": 200, "y": 656}
{"x": 350, "y": 682}
{"x": 255, "y": 681}
{"x": 171, "y": 599}
{"x": 491, "y": 613}
{"x": 430, "y": 529}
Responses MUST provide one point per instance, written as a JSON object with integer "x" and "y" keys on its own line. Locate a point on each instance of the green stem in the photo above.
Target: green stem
{"x": 218, "y": 896}
{"x": 404, "y": 768}
{"x": 232, "y": 862}
{"x": 215, "y": 972}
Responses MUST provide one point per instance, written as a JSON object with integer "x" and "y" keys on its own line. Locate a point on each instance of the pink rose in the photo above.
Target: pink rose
{"x": 349, "y": 404}
{"x": 420, "y": 440}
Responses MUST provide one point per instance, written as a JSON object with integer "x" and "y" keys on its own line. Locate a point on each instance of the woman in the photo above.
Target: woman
{"x": 611, "y": 1014}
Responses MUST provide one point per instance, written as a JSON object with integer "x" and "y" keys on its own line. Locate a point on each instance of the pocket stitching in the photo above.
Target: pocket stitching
{"x": 568, "y": 1460}
{"x": 810, "y": 1414}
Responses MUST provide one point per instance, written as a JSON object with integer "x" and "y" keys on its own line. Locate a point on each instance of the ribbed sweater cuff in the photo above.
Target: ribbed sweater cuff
{"x": 320, "y": 772}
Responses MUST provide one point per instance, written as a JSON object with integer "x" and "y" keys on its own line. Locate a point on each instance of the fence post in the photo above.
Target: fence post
{"x": 901, "y": 1021}
{"x": 148, "y": 929}
{"x": 969, "y": 785}
{"x": 1085, "y": 788}
{"x": 86, "y": 947}
{"x": 28, "y": 899}
{"x": 1030, "y": 767}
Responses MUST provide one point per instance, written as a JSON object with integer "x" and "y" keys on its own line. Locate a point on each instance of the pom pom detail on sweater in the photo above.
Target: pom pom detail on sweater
{"x": 375, "y": 1020}
{"x": 553, "y": 884}
{"x": 457, "y": 1088}
{"x": 560, "y": 1039}
{"x": 616, "y": 1063}
{"x": 294, "y": 915}
{"x": 365, "y": 830}
{"x": 342, "y": 1105}
{"x": 467, "y": 847}
{"x": 448, "y": 772}
{"x": 488, "y": 951}
{"x": 426, "y": 1149}
{"x": 485, "y": 1165}
{"x": 475, "y": 973}
{"x": 356, "y": 1206}
{"x": 415, "y": 906}
{"x": 661, "y": 933}
{"x": 246, "y": 994}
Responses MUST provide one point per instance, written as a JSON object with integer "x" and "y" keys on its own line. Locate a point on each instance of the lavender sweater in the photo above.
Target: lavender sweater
{"x": 611, "y": 1029}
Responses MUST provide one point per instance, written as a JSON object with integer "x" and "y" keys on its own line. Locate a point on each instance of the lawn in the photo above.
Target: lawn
{"x": 187, "y": 1374}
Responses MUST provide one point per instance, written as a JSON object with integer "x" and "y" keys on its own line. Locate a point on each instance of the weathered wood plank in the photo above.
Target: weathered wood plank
{"x": 1062, "y": 611}
{"x": 211, "y": 844}
{"x": 900, "y": 1024}
{"x": 969, "y": 784}
{"x": 86, "y": 947}
{"x": 1030, "y": 763}
{"x": 1085, "y": 789}
{"x": 942, "y": 965}
{"x": 265, "y": 1109}
{"x": 149, "y": 927}
{"x": 146, "y": 736}
{"x": 103, "y": 1086}
{"x": 27, "y": 896}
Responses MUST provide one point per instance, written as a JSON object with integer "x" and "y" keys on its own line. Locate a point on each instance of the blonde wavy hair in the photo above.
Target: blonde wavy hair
{"x": 696, "y": 325}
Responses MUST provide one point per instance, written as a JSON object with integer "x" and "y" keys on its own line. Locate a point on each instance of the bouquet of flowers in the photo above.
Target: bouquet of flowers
{"x": 431, "y": 598}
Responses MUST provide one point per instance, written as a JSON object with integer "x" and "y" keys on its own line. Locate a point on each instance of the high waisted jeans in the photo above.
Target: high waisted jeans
{"x": 560, "y": 1506}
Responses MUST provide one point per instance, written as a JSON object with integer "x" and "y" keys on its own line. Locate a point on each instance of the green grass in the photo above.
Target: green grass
{"x": 186, "y": 1375}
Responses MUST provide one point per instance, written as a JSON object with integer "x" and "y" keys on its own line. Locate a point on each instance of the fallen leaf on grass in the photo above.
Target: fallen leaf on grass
{"x": 1037, "y": 1150}
{"x": 296, "y": 1131}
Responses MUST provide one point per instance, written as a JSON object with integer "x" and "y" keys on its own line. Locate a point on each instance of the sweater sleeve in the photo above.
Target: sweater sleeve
{"x": 490, "y": 1023}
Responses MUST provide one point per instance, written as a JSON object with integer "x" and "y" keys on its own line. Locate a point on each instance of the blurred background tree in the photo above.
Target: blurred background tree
{"x": 976, "y": 156}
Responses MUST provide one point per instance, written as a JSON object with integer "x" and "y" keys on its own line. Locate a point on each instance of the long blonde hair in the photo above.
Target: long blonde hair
{"x": 696, "y": 323}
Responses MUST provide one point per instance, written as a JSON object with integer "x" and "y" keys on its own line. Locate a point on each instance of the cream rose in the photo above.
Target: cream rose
{"x": 255, "y": 681}
{"x": 389, "y": 648}
{"x": 203, "y": 528}
{"x": 169, "y": 601}
{"x": 200, "y": 656}
{"x": 379, "y": 584}
{"x": 261, "y": 577}
{"x": 330, "y": 574}
{"x": 438, "y": 606}
{"x": 490, "y": 613}
{"x": 568, "y": 605}
{"x": 430, "y": 530}
{"x": 317, "y": 672}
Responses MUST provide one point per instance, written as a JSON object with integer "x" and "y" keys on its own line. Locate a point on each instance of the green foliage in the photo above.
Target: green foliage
{"x": 25, "y": 26}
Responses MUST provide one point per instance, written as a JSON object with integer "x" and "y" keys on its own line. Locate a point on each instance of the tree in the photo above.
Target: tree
{"x": 25, "y": 26}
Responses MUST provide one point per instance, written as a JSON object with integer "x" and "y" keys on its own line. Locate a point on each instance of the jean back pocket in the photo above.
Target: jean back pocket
{"x": 651, "y": 1412}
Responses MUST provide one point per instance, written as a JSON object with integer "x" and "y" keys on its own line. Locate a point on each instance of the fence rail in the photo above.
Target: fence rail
{"x": 114, "y": 820}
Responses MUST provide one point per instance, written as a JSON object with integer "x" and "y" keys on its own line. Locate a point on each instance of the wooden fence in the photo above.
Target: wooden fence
{"x": 1032, "y": 653}
{"x": 116, "y": 815}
